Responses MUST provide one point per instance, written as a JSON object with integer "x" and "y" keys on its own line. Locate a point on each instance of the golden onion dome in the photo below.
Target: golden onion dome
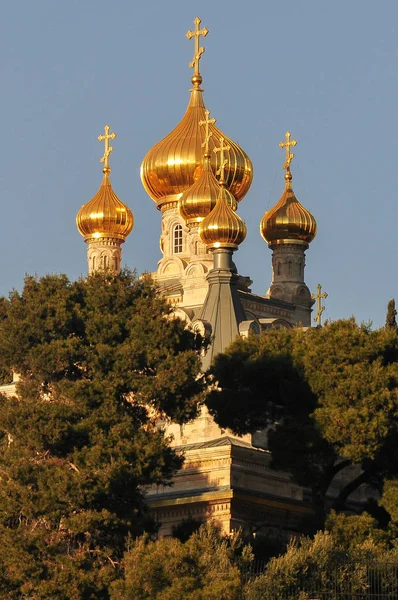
{"x": 200, "y": 199}
{"x": 173, "y": 164}
{"x": 223, "y": 227}
{"x": 288, "y": 221}
{"x": 105, "y": 215}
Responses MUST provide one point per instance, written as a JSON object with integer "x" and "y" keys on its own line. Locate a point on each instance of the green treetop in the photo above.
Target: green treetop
{"x": 330, "y": 395}
{"x": 100, "y": 361}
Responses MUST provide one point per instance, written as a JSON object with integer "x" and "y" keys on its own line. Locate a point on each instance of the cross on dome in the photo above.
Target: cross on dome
{"x": 194, "y": 64}
{"x": 223, "y": 160}
{"x": 287, "y": 145}
{"x": 108, "y": 149}
{"x": 208, "y": 133}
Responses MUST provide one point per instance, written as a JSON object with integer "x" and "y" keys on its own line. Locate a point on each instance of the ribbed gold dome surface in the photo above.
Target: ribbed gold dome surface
{"x": 288, "y": 221}
{"x": 105, "y": 215}
{"x": 222, "y": 228}
{"x": 169, "y": 169}
{"x": 200, "y": 199}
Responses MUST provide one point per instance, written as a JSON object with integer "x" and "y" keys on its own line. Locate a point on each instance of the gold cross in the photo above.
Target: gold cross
{"x": 194, "y": 64}
{"x": 108, "y": 149}
{"x": 208, "y": 133}
{"x": 223, "y": 161}
{"x": 318, "y": 297}
{"x": 289, "y": 155}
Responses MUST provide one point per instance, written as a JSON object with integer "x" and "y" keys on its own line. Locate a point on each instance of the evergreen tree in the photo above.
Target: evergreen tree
{"x": 323, "y": 567}
{"x": 391, "y": 320}
{"x": 99, "y": 359}
{"x": 331, "y": 395}
{"x": 206, "y": 566}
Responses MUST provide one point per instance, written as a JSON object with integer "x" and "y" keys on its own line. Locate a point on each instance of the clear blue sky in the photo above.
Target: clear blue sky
{"x": 327, "y": 71}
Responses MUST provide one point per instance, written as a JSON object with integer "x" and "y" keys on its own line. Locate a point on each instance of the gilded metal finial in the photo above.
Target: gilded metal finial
{"x": 289, "y": 155}
{"x": 108, "y": 149}
{"x": 223, "y": 160}
{"x": 318, "y": 297}
{"x": 194, "y": 64}
{"x": 208, "y": 133}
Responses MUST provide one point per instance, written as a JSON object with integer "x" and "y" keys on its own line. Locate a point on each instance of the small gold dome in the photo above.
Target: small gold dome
{"x": 105, "y": 215}
{"x": 200, "y": 199}
{"x": 288, "y": 221}
{"x": 171, "y": 166}
{"x": 222, "y": 228}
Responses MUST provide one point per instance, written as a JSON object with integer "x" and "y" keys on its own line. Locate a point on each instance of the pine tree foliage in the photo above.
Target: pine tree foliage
{"x": 322, "y": 565}
{"x": 206, "y": 566}
{"x": 330, "y": 394}
{"x": 99, "y": 359}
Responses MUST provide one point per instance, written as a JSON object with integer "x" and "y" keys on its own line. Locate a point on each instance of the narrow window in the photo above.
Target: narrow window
{"x": 105, "y": 262}
{"x": 278, "y": 270}
{"x": 177, "y": 239}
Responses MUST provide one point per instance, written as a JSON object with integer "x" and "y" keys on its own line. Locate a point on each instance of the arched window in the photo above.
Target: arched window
{"x": 93, "y": 263}
{"x": 106, "y": 264}
{"x": 279, "y": 270}
{"x": 290, "y": 267}
{"x": 177, "y": 239}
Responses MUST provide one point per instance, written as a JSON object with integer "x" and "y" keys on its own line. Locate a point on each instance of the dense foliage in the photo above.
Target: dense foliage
{"x": 330, "y": 396}
{"x": 313, "y": 567}
{"x": 101, "y": 363}
{"x": 98, "y": 359}
{"x": 350, "y": 556}
{"x": 206, "y": 566}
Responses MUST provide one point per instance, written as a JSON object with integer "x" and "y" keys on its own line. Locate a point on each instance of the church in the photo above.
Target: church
{"x": 197, "y": 176}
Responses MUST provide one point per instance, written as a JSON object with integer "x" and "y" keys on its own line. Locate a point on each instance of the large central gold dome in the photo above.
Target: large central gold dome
{"x": 174, "y": 163}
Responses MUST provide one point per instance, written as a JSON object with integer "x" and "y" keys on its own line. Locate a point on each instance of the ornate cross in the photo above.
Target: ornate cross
{"x": 108, "y": 149}
{"x": 318, "y": 297}
{"x": 208, "y": 133}
{"x": 223, "y": 160}
{"x": 194, "y": 64}
{"x": 289, "y": 155}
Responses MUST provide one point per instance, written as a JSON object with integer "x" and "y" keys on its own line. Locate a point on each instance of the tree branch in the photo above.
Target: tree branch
{"x": 364, "y": 477}
{"x": 330, "y": 473}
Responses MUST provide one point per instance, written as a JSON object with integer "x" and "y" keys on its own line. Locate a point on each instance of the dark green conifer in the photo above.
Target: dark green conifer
{"x": 331, "y": 396}
{"x": 391, "y": 320}
{"x": 99, "y": 360}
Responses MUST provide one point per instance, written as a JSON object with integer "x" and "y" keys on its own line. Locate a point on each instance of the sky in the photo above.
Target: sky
{"x": 326, "y": 71}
